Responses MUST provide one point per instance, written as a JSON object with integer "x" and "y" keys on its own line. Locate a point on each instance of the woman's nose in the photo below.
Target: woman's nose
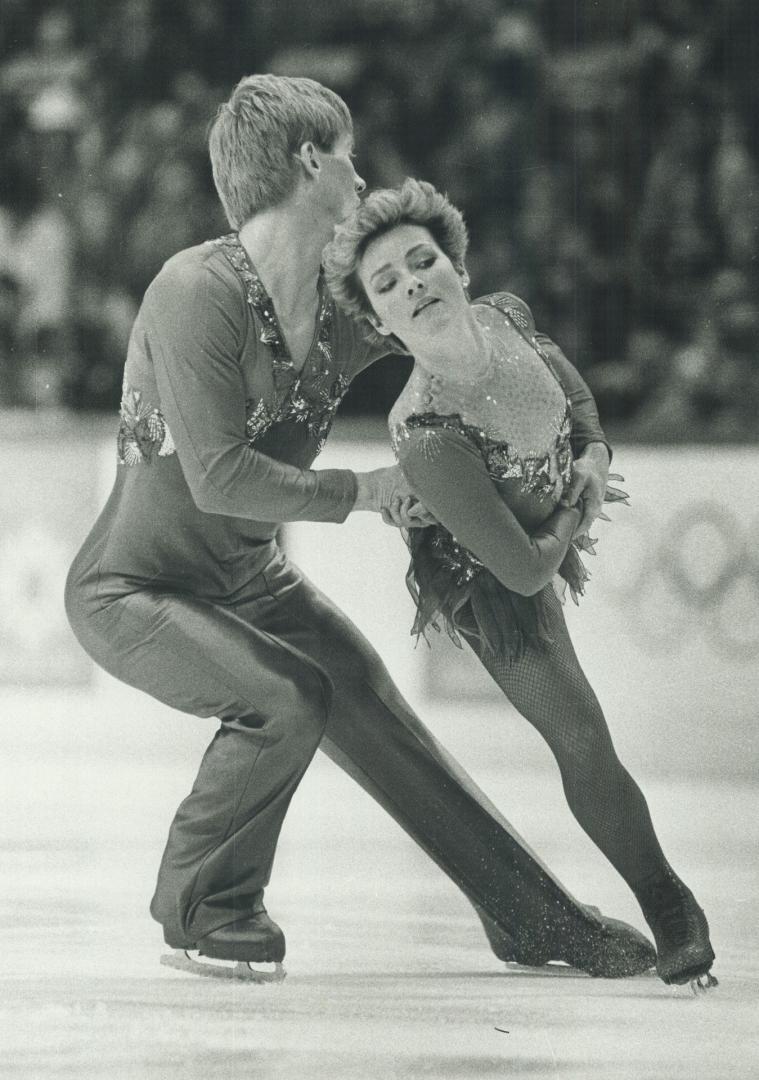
{"x": 413, "y": 286}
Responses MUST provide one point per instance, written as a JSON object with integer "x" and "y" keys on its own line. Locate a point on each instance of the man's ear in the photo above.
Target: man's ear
{"x": 309, "y": 158}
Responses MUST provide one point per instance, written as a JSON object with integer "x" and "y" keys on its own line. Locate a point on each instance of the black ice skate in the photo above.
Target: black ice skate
{"x": 239, "y": 945}
{"x": 681, "y": 932}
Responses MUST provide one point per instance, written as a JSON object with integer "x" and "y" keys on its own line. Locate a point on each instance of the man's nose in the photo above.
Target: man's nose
{"x": 360, "y": 185}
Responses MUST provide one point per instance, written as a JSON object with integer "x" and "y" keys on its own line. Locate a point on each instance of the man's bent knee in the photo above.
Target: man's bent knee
{"x": 297, "y": 708}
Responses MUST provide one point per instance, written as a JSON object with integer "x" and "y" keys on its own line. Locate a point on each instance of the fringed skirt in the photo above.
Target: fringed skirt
{"x": 451, "y": 586}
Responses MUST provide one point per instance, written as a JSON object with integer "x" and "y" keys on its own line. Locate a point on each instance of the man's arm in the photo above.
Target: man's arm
{"x": 194, "y": 325}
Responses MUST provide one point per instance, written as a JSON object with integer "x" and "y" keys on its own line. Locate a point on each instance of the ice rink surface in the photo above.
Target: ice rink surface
{"x": 389, "y": 975}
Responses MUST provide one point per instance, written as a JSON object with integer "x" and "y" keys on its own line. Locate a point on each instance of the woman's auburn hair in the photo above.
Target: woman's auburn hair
{"x": 415, "y": 202}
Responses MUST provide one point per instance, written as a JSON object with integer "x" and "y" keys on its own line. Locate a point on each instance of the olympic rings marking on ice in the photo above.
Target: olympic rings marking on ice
{"x": 684, "y": 529}
{"x": 701, "y": 566}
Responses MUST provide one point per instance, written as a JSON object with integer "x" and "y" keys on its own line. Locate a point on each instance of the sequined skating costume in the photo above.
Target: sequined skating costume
{"x": 490, "y": 459}
{"x": 510, "y": 432}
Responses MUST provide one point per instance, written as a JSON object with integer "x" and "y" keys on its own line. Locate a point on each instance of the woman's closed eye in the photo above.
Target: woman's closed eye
{"x": 424, "y": 263}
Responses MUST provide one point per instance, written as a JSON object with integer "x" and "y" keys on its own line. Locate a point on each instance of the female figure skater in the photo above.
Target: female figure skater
{"x": 483, "y": 432}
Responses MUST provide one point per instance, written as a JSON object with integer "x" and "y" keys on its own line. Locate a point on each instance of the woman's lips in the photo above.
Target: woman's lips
{"x": 427, "y": 302}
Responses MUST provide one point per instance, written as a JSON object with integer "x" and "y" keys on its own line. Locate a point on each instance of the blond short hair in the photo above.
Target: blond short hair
{"x": 257, "y": 133}
{"x": 415, "y": 202}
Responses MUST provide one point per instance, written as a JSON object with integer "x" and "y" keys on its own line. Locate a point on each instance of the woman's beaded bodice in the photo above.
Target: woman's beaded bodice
{"x": 491, "y": 460}
{"x": 516, "y": 413}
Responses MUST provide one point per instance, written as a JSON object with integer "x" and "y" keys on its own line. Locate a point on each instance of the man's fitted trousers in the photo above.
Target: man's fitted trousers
{"x": 287, "y": 672}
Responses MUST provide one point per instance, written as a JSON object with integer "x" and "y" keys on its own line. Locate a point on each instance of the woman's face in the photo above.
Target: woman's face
{"x": 411, "y": 283}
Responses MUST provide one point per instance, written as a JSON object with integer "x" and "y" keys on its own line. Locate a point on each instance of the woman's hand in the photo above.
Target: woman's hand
{"x": 588, "y": 487}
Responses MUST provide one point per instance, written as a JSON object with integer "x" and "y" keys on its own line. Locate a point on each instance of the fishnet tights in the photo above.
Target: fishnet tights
{"x": 548, "y": 687}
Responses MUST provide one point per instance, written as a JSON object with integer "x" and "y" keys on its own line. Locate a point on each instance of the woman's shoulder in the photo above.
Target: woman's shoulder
{"x": 512, "y": 306}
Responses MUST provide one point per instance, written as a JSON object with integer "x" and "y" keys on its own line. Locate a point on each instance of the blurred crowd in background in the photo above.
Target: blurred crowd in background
{"x": 605, "y": 155}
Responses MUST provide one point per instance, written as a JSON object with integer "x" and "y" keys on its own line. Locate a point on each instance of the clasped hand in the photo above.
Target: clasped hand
{"x": 387, "y": 492}
{"x": 590, "y": 473}
{"x": 406, "y": 512}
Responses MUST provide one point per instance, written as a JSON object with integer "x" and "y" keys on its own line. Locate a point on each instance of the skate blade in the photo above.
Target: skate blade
{"x": 238, "y": 970}
{"x": 552, "y": 969}
{"x": 702, "y": 984}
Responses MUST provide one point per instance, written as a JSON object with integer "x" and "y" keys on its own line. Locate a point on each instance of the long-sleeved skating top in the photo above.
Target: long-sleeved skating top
{"x": 490, "y": 460}
{"x": 218, "y": 430}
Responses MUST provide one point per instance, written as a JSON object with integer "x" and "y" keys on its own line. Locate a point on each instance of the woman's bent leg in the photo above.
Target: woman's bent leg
{"x": 548, "y": 687}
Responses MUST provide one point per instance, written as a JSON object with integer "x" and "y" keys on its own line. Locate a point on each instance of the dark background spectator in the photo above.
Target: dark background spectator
{"x": 605, "y": 156}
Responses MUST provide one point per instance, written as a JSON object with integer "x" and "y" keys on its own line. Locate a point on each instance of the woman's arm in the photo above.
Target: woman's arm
{"x": 194, "y": 325}
{"x": 449, "y": 476}
{"x": 591, "y": 450}
{"x": 586, "y": 425}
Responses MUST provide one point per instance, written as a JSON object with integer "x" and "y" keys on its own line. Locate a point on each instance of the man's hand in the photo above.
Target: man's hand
{"x": 588, "y": 486}
{"x": 406, "y": 512}
{"x": 386, "y": 492}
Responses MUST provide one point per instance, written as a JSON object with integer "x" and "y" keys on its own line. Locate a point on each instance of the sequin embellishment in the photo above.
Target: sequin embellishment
{"x": 143, "y": 431}
{"x": 539, "y": 473}
{"x": 314, "y": 404}
{"x": 514, "y": 308}
{"x": 299, "y": 408}
{"x": 259, "y": 419}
